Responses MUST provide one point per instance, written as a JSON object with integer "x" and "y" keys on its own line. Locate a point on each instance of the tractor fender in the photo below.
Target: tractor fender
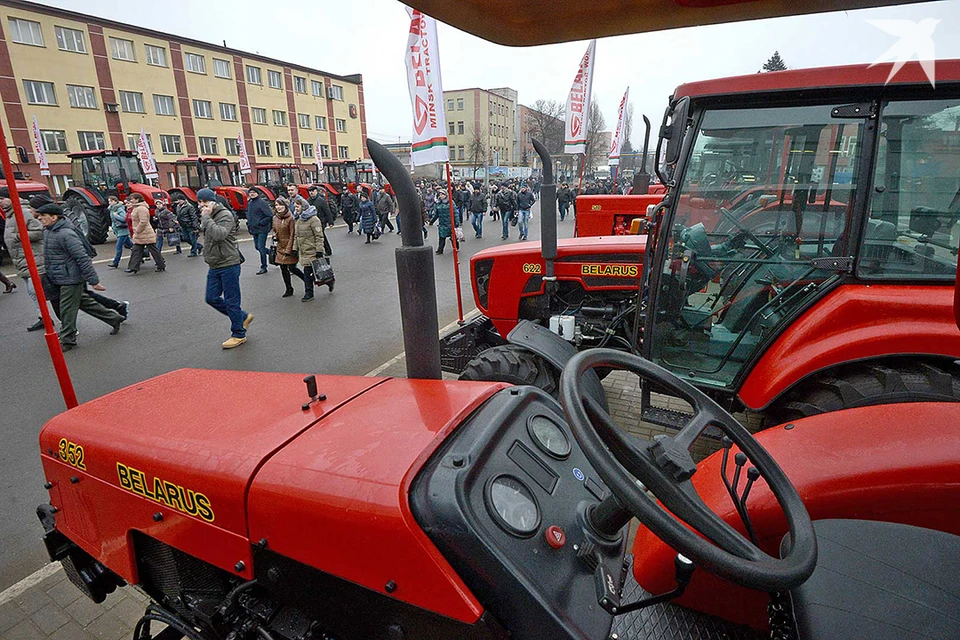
{"x": 89, "y": 196}
{"x": 556, "y": 351}
{"x": 266, "y": 192}
{"x": 855, "y": 323}
{"x": 187, "y": 192}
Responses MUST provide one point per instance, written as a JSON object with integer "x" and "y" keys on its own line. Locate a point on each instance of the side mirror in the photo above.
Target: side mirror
{"x": 673, "y": 132}
{"x": 22, "y": 154}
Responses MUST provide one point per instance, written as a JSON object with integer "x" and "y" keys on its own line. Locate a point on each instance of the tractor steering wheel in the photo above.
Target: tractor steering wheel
{"x": 664, "y": 467}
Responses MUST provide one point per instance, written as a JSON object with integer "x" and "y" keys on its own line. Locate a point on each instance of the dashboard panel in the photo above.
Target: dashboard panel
{"x": 504, "y": 500}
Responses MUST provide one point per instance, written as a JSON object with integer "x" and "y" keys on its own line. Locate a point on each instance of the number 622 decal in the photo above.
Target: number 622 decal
{"x": 71, "y": 453}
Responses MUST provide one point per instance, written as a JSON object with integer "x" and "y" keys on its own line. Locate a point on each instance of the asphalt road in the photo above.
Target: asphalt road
{"x": 351, "y": 331}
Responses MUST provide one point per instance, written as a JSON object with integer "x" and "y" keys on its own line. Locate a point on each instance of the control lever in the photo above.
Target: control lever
{"x": 315, "y": 396}
{"x": 683, "y": 572}
{"x": 739, "y": 501}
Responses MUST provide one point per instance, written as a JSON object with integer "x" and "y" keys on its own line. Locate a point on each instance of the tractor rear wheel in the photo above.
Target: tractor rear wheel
{"x": 513, "y": 364}
{"x": 861, "y": 385}
{"x": 98, "y": 219}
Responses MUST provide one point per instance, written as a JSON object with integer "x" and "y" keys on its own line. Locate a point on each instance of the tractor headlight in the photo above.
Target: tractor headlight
{"x": 481, "y": 276}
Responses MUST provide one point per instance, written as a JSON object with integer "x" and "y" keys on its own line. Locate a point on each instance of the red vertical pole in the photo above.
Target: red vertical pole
{"x": 53, "y": 341}
{"x": 453, "y": 240}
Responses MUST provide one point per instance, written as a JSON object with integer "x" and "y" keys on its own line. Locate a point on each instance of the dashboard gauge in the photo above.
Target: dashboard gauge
{"x": 512, "y": 505}
{"x": 548, "y": 435}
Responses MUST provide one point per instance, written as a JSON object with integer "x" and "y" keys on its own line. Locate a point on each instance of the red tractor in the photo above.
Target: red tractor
{"x": 272, "y": 179}
{"x": 98, "y": 174}
{"x": 802, "y": 262}
{"x": 219, "y": 174}
{"x": 347, "y": 175}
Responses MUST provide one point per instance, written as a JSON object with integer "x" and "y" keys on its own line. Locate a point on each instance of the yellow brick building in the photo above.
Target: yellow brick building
{"x": 94, "y": 83}
{"x": 482, "y": 128}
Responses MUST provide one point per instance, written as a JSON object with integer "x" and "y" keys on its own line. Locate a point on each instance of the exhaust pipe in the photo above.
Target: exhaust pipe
{"x": 548, "y": 213}
{"x": 641, "y": 181}
{"x": 415, "y": 277}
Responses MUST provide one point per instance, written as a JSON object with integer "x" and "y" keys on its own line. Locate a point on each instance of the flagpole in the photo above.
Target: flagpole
{"x": 583, "y": 166}
{"x": 53, "y": 341}
{"x": 453, "y": 239}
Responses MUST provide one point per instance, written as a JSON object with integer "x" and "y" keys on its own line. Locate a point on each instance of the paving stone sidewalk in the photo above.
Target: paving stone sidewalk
{"x": 56, "y": 610}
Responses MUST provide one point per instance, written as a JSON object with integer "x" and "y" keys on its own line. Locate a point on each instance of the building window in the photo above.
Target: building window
{"x": 253, "y": 75}
{"x": 258, "y": 115}
{"x": 460, "y": 127}
{"x": 450, "y": 104}
{"x": 274, "y": 79}
{"x": 321, "y": 122}
{"x": 194, "y": 63}
{"x": 221, "y": 68}
{"x": 341, "y": 124}
{"x": 283, "y": 149}
{"x": 170, "y": 144}
{"x": 459, "y": 104}
{"x": 280, "y": 118}
{"x": 306, "y": 150}
{"x": 336, "y": 92}
{"x": 70, "y": 40}
{"x": 316, "y": 88}
{"x": 39, "y": 92}
{"x": 460, "y": 153}
{"x": 343, "y": 152}
{"x": 231, "y": 146}
{"x": 263, "y": 147}
{"x": 228, "y": 111}
{"x": 133, "y": 140}
{"x": 122, "y": 49}
{"x": 201, "y": 109}
{"x": 157, "y": 56}
{"x": 164, "y": 105}
{"x": 81, "y": 97}
{"x": 91, "y": 140}
{"x": 303, "y": 120}
{"x": 450, "y": 128}
{"x": 131, "y": 101}
{"x": 324, "y": 151}
{"x": 26, "y": 32}
{"x": 54, "y": 141}
{"x": 208, "y": 146}
{"x": 299, "y": 84}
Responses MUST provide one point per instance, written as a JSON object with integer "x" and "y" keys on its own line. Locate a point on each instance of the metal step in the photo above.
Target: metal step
{"x": 673, "y": 419}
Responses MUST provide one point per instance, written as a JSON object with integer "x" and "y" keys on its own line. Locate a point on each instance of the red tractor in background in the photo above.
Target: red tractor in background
{"x": 272, "y": 179}
{"x": 98, "y": 174}
{"x": 25, "y": 187}
{"x": 219, "y": 174}
{"x": 347, "y": 175}
{"x": 802, "y": 262}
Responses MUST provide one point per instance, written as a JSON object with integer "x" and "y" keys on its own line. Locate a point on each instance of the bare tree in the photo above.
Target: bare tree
{"x": 476, "y": 149}
{"x": 546, "y": 124}
{"x": 597, "y": 149}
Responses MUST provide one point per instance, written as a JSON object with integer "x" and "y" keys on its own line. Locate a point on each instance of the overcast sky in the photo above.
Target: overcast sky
{"x": 369, "y": 36}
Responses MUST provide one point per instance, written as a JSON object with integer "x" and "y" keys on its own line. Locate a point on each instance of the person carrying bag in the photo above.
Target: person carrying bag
{"x": 309, "y": 243}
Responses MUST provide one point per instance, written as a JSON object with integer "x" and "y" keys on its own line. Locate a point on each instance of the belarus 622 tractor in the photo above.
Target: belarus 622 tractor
{"x": 802, "y": 261}
{"x": 98, "y": 174}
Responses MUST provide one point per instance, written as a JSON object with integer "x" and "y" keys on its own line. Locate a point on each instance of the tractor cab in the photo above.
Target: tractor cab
{"x": 274, "y": 178}
{"x": 219, "y": 174}
{"x": 348, "y": 175}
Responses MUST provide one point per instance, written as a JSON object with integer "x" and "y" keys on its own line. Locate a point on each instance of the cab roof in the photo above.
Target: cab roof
{"x": 102, "y": 152}
{"x": 533, "y": 22}
{"x": 206, "y": 159}
{"x": 859, "y": 75}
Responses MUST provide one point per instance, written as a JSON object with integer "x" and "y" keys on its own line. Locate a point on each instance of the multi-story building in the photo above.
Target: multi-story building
{"x": 93, "y": 83}
{"x": 481, "y": 128}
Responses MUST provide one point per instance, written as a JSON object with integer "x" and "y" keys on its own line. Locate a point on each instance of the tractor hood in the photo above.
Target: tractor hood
{"x": 210, "y": 461}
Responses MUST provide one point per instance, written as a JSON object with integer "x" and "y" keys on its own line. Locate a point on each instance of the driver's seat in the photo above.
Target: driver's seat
{"x": 880, "y": 580}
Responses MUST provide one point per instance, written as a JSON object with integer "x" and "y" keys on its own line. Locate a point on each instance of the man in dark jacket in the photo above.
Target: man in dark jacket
{"x": 506, "y": 203}
{"x": 524, "y": 203}
{"x": 384, "y": 204}
{"x": 478, "y": 208}
{"x": 348, "y": 207}
{"x": 324, "y": 212}
{"x": 259, "y": 224}
{"x": 564, "y": 196}
{"x": 68, "y": 265}
{"x": 189, "y": 221}
{"x": 222, "y": 256}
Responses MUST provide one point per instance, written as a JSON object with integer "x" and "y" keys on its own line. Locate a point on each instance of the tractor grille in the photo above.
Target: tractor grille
{"x": 174, "y": 578}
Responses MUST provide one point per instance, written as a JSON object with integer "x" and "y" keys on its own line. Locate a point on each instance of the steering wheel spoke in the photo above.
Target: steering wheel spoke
{"x": 665, "y": 467}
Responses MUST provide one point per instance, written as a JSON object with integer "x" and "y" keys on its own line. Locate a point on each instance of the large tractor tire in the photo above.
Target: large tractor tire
{"x": 861, "y": 385}
{"x": 98, "y": 219}
{"x": 513, "y": 364}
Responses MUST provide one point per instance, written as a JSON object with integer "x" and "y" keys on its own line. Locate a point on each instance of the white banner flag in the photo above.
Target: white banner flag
{"x": 146, "y": 156}
{"x": 244, "y": 158}
{"x": 578, "y": 104}
{"x": 621, "y": 131}
{"x": 318, "y": 158}
{"x": 426, "y": 93}
{"x": 38, "y": 149}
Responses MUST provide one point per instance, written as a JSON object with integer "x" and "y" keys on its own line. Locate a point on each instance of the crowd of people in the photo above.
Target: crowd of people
{"x": 288, "y": 232}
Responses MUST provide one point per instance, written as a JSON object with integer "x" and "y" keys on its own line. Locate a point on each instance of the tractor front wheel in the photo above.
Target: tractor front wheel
{"x": 861, "y": 385}
{"x": 513, "y": 364}
{"x": 98, "y": 219}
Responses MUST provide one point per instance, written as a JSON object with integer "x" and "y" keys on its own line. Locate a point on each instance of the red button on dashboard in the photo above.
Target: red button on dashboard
{"x": 556, "y": 538}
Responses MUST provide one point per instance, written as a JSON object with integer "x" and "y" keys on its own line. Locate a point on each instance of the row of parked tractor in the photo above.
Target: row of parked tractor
{"x": 101, "y": 173}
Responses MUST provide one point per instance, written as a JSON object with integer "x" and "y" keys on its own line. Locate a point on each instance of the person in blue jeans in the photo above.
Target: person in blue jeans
{"x": 525, "y": 202}
{"x": 222, "y": 255}
{"x": 118, "y": 220}
{"x": 259, "y": 224}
